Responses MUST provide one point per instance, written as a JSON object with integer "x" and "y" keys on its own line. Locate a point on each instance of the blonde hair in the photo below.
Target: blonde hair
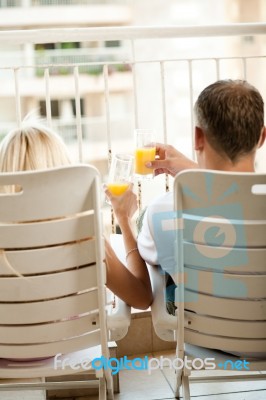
{"x": 33, "y": 146}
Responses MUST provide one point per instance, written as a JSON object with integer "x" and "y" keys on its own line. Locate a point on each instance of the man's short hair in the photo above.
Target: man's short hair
{"x": 231, "y": 114}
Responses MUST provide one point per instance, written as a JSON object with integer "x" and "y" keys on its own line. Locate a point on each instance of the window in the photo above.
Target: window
{"x": 54, "y": 108}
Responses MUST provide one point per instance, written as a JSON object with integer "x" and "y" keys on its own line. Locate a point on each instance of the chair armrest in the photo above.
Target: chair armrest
{"x": 118, "y": 319}
{"x": 164, "y": 324}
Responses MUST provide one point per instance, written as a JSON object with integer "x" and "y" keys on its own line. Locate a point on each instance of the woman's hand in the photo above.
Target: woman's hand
{"x": 124, "y": 205}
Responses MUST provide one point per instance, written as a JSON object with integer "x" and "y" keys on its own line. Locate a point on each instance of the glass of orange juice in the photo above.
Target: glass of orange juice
{"x": 120, "y": 174}
{"x": 144, "y": 152}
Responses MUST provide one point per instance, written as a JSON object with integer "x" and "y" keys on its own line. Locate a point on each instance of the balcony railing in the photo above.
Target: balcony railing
{"x": 32, "y": 3}
{"x": 167, "y": 68}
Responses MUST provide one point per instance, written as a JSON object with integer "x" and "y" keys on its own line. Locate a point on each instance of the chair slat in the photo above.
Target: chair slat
{"x": 55, "y": 189}
{"x": 46, "y": 233}
{"x": 255, "y": 232}
{"x": 48, "y": 259}
{"x": 226, "y": 308}
{"x": 45, "y": 333}
{"x": 227, "y": 344}
{"x": 48, "y": 286}
{"x": 218, "y": 187}
{"x": 225, "y": 327}
{"x": 247, "y": 260}
{"x": 46, "y": 367}
{"x": 226, "y": 285}
{"x": 50, "y": 349}
{"x": 50, "y": 310}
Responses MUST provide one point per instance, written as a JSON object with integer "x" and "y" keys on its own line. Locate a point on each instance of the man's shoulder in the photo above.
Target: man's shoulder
{"x": 163, "y": 202}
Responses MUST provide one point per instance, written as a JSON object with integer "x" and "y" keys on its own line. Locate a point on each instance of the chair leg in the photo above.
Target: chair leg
{"x": 102, "y": 388}
{"x": 177, "y": 393}
{"x": 185, "y": 387}
{"x": 109, "y": 384}
{"x": 110, "y": 395}
{"x": 178, "y": 383}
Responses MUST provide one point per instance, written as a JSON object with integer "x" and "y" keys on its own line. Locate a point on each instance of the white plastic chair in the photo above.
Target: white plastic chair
{"x": 220, "y": 238}
{"x": 52, "y": 279}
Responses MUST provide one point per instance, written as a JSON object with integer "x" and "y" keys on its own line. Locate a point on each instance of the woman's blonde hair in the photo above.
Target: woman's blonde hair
{"x": 33, "y": 146}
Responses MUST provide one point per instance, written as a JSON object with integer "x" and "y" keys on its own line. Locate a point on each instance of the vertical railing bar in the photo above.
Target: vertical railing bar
{"x": 244, "y": 62}
{"x": 17, "y": 99}
{"x": 136, "y": 114}
{"x": 78, "y": 113}
{"x": 162, "y": 69}
{"x": 191, "y": 105}
{"x": 217, "y": 67}
{"x": 108, "y": 128}
{"x": 135, "y": 93}
{"x": 107, "y": 110}
{"x": 48, "y": 97}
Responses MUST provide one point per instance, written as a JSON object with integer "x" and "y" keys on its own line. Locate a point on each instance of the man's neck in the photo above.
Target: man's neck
{"x": 244, "y": 164}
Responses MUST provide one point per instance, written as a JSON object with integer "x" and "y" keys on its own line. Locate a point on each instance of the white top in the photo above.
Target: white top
{"x": 156, "y": 238}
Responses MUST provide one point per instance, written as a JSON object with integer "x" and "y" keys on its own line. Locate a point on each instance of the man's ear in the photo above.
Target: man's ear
{"x": 262, "y": 137}
{"x": 199, "y": 138}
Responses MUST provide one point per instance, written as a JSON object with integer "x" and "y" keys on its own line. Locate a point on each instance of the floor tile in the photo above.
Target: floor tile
{"x": 212, "y": 388}
{"x": 139, "y": 385}
{"x": 22, "y": 395}
{"x": 138, "y": 339}
{"x": 260, "y": 395}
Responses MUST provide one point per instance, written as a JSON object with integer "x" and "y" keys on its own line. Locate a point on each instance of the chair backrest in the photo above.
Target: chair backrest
{"x": 52, "y": 273}
{"x": 221, "y": 254}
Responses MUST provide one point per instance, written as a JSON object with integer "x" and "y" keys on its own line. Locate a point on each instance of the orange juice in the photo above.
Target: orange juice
{"x": 143, "y": 155}
{"x": 118, "y": 188}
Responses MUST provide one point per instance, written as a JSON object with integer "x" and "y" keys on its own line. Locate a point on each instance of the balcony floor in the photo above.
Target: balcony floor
{"x": 139, "y": 385}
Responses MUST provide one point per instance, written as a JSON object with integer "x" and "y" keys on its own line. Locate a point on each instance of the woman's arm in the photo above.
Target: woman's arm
{"x": 131, "y": 283}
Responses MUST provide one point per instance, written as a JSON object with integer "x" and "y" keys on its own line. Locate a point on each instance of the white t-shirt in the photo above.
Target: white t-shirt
{"x": 156, "y": 238}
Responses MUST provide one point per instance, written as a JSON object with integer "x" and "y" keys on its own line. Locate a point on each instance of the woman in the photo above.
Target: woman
{"x": 35, "y": 146}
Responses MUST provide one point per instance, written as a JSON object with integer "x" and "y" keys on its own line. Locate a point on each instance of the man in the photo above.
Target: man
{"x": 229, "y": 129}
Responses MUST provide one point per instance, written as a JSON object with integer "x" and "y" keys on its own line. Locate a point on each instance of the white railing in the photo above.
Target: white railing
{"x": 129, "y": 33}
{"x": 31, "y": 3}
{"x": 167, "y": 68}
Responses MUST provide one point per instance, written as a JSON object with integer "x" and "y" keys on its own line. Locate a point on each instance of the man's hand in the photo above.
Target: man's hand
{"x": 170, "y": 161}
